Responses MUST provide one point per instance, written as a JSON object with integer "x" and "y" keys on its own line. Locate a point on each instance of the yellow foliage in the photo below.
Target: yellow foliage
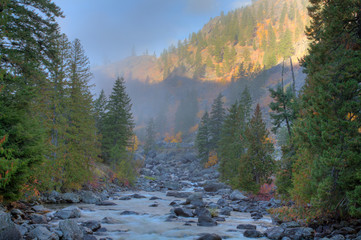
{"x": 212, "y": 159}
{"x": 135, "y": 144}
{"x": 173, "y": 139}
{"x": 351, "y": 117}
{"x": 193, "y": 129}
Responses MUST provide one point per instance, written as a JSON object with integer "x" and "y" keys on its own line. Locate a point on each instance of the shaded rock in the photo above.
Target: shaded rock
{"x": 237, "y": 195}
{"x": 213, "y": 186}
{"x": 17, "y": 213}
{"x": 252, "y": 234}
{"x": 42, "y": 233}
{"x": 337, "y": 237}
{"x": 226, "y": 211}
{"x": 71, "y": 197}
{"x": 205, "y": 218}
{"x": 54, "y": 197}
{"x": 71, "y": 230}
{"x": 219, "y": 219}
{"x": 22, "y": 229}
{"x": 125, "y": 198}
{"x": 290, "y": 225}
{"x": 196, "y": 199}
{"x": 246, "y": 226}
{"x": 154, "y": 205}
{"x": 154, "y": 198}
{"x": 129, "y": 213}
{"x": 106, "y": 203}
{"x": 274, "y": 233}
{"x": 172, "y": 185}
{"x": 173, "y": 203}
{"x": 256, "y": 215}
{"x": 38, "y": 219}
{"x": 8, "y": 229}
{"x": 40, "y": 208}
{"x": 209, "y": 236}
{"x": 89, "y": 197}
{"x": 110, "y": 220}
{"x": 92, "y": 225}
{"x": 299, "y": 233}
{"x": 183, "y": 212}
{"x": 137, "y": 196}
{"x": 178, "y": 194}
{"x": 68, "y": 212}
{"x": 222, "y": 202}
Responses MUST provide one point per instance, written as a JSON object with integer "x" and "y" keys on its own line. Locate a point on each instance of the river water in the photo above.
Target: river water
{"x": 151, "y": 223}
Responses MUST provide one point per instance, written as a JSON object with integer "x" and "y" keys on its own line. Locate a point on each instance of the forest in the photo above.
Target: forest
{"x": 56, "y": 135}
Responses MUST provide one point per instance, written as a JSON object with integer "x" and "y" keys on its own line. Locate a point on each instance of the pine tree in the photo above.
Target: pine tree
{"x": 217, "y": 116}
{"x": 202, "y": 139}
{"x": 327, "y": 137}
{"x": 150, "y": 137}
{"x": 257, "y": 164}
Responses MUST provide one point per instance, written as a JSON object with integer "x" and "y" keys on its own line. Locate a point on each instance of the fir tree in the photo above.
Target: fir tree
{"x": 327, "y": 137}
{"x": 217, "y": 116}
{"x": 202, "y": 139}
{"x": 99, "y": 110}
{"x": 257, "y": 164}
{"x": 150, "y": 137}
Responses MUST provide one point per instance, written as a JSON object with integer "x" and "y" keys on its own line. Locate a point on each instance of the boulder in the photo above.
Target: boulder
{"x": 209, "y": 236}
{"x": 196, "y": 199}
{"x": 38, "y": 219}
{"x": 252, "y": 234}
{"x": 299, "y": 233}
{"x": 68, "y": 212}
{"x": 237, "y": 195}
{"x": 40, "y": 208}
{"x": 8, "y": 229}
{"x": 54, "y": 197}
{"x": 206, "y": 221}
{"x": 110, "y": 220}
{"x": 92, "y": 225}
{"x": 42, "y": 233}
{"x": 137, "y": 196}
{"x": 247, "y": 226}
{"x": 89, "y": 197}
{"x": 125, "y": 198}
{"x": 129, "y": 213}
{"x": 71, "y": 197}
{"x": 178, "y": 194}
{"x": 172, "y": 185}
{"x": 290, "y": 225}
{"x": 274, "y": 233}
{"x": 71, "y": 230}
{"x": 213, "y": 186}
{"x": 106, "y": 203}
{"x": 226, "y": 211}
{"x": 337, "y": 237}
{"x": 183, "y": 212}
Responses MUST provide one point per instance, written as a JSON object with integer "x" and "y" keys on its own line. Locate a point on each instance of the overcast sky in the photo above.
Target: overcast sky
{"x": 108, "y": 29}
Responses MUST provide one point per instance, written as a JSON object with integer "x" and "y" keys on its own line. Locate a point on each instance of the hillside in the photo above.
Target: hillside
{"x": 259, "y": 35}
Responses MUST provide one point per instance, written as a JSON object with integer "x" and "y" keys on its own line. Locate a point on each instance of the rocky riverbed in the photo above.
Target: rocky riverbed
{"x": 174, "y": 198}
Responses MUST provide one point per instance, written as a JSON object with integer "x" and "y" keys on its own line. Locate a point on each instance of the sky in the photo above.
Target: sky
{"x": 109, "y": 29}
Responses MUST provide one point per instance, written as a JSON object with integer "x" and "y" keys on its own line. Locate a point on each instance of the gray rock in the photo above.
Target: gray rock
{"x": 40, "y": 208}
{"x": 8, "y": 230}
{"x": 110, "y": 220}
{"x": 172, "y": 185}
{"x": 222, "y": 202}
{"x": 71, "y": 197}
{"x": 196, "y": 199}
{"x": 224, "y": 191}
{"x": 299, "y": 233}
{"x": 183, "y": 212}
{"x": 290, "y": 225}
{"x": 338, "y": 237}
{"x": 42, "y": 233}
{"x": 138, "y": 196}
{"x": 106, "y": 203}
{"x": 226, "y": 211}
{"x": 252, "y": 234}
{"x": 89, "y": 197}
{"x": 68, "y": 212}
{"x": 38, "y": 219}
{"x": 209, "y": 236}
{"x": 17, "y": 213}
{"x": 213, "y": 186}
{"x": 237, "y": 195}
{"x": 92, "y": 225}
{"x": 125, "y": 198}
{"x": 206, "y": 221}
{"x": 54, "y": 197}
{"x": 274, "y": 233}
{"x": 178, "y": 194}
{"x": 22, "y": 229}
{"x": 71, "y": 230}
{"x": 247, "y": 226}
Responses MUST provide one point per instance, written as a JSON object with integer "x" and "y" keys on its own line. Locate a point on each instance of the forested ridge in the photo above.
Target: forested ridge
{"x": 55, "y": 136}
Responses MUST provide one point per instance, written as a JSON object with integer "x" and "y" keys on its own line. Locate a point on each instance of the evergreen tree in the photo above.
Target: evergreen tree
{"x": 99, "y": 110}
{"x": 285, "y": 46}
{"x": 118, "y": 125}
{"x": 327, "y": 137}
{"x": 217, "y": 116}
{"x": 257, "y": 164}
{"x": 150, "y": 137}
{"x": 82, "y": 147}
{"x": 202, "y": 139}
